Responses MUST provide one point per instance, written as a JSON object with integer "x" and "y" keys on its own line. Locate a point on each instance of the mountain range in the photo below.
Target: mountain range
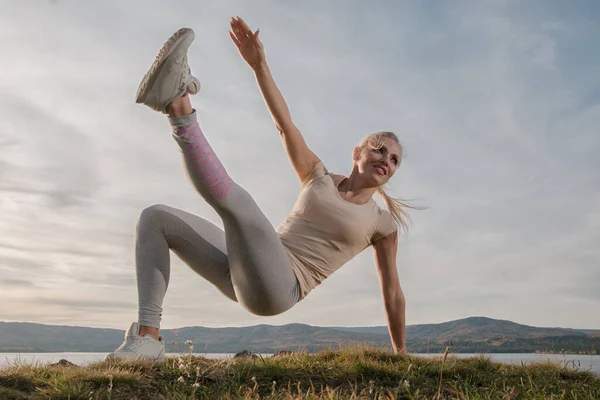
{"x": 469, "y": 335}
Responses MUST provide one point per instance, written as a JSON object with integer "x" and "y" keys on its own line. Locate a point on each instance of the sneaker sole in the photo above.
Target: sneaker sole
{"x": 159, "y": 358}
{"x": 164, "y": 52}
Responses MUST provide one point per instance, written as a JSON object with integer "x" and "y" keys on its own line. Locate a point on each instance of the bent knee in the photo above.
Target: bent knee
{"x": 266, "y": 308}
{"x": 152, "y": 214}
{"x": 154, "y": 210}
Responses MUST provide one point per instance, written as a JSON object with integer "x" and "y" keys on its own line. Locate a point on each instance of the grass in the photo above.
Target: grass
{"x": 353, "y": 373}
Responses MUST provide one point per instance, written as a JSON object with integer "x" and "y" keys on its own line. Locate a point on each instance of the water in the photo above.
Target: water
{"x": 8, "y": 359}
{"x": 578, "y": 361}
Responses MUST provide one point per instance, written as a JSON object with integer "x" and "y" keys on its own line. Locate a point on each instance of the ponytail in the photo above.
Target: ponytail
{"x": 397, "y": 208}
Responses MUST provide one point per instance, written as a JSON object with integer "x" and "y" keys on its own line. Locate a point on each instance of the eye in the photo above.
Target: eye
{"x": 395, "y": 160}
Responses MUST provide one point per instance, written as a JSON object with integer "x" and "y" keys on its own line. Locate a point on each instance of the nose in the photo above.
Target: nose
{"x": 385, "y": 164}
{"x": 389, "y": 164}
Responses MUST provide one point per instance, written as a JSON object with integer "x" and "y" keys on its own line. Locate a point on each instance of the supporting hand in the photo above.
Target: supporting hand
{"x": 248, "y": 43}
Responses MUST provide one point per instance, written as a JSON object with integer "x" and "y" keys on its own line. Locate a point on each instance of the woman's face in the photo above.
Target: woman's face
{"x": 378, "y": 165}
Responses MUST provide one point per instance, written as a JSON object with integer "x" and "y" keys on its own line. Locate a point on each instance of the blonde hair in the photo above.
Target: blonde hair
{"x": 397, "y": 207}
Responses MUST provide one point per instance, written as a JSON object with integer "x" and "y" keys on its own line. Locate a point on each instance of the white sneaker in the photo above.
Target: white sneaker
{"x": 136, "y": 347}
{"x": 169, "y": 77}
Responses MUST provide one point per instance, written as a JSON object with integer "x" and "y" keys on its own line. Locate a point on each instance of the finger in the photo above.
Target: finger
{"x": 235, "y": 40}
{"x": 238, "y": 37}
{"x": 257, "y": 39}
{"x": 245, "y": 25}
{"x": 239, "y": 32}
{"x": 234, "y": 24}
{"x": 239, "y": 25}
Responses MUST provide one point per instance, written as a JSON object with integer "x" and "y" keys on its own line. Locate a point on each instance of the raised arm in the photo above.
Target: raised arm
{"x": 393, "y": 298}
{"x": 251, "y": 49}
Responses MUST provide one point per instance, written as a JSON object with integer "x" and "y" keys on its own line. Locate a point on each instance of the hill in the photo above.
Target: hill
{"x": 469, "y": 335}
{"x": 30, "y": 337}
{"x": 474, "y": 327}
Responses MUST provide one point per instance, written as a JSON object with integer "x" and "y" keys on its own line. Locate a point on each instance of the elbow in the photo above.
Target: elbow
{"x": 394, "y": 293}
{"x": 395, "y": 301}
{"x": 285, "y": 126}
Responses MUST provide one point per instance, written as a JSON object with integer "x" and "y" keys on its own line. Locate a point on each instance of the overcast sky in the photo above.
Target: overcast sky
{"x": 496, "y": 102}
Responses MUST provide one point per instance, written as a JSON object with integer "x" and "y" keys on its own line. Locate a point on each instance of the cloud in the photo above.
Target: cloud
{"x": 55, "y": 160}
{"x": 16, "y": 283}
{"x": 21, "y": 265}
{"x": 89, "y": 305}
{"x": 496, "y": 103}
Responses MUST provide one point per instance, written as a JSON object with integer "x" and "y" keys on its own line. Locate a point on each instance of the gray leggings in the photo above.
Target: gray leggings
{"x": 246, "y": 262}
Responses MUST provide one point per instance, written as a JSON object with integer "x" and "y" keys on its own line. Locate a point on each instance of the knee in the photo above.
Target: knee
{"x": 151, "y": 215}
{"x": 265, "y": 308}
{"x": 268, "y": 313}
{"x": 263, "y": 312}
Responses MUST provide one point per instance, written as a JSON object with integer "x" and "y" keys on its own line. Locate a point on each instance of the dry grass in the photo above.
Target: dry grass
{"x": 353, "y": 373}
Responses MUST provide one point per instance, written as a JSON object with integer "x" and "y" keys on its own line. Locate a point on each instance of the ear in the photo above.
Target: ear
{"x": 356, "y": 153}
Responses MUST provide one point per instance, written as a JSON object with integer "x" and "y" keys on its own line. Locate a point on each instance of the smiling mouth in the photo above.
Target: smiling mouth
{"x": 381, "y": 170}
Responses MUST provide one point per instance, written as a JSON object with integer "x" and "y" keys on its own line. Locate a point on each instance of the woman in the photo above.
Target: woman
{"x": 267, "y": 271}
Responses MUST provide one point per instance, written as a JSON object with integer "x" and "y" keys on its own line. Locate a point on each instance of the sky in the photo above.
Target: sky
{"x": 497, "y": 104}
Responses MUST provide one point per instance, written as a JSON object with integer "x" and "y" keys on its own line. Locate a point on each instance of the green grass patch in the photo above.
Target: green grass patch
{"x": 353, "y": 373}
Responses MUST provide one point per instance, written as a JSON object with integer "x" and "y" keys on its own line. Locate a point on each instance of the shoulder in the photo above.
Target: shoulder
{"x": 318, "y": 172}
{"x": 386, "y": 219}
{"x": 386, "y": 224}
{"x": 384, "y": 213}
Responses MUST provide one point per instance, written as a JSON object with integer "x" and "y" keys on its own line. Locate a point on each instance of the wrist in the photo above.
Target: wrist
{"x": 261, "y": 67}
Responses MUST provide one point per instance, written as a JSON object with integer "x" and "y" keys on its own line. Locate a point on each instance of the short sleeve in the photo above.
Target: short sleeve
{"x": 317, "y": 172}
{"x": 386, "y": 225}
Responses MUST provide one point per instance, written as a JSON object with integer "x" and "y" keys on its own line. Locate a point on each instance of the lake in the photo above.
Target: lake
{"x": 582, "y": 362}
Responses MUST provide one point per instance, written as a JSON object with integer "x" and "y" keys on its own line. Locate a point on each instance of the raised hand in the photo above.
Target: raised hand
{"x": 248, "y": 43}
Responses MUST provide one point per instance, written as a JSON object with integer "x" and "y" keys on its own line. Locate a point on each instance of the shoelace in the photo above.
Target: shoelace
{"x": 186, "y": 78}
{"x": 130, "y": 342}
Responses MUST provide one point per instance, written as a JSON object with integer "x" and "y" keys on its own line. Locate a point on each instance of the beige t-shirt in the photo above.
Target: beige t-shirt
{"x": 323, "y": 231}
